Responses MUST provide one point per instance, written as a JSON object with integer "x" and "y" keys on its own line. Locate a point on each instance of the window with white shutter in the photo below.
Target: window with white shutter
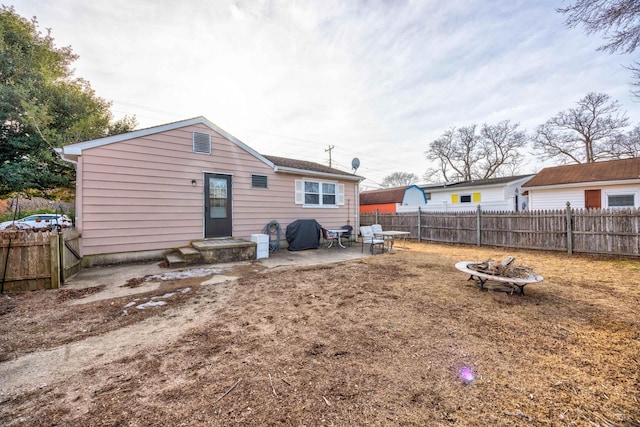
{"x": 318, "y": 193}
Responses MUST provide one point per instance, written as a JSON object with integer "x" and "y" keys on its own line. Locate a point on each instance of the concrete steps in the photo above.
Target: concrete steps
{"x": 189, "y": 253}
{"x": 175, "y": 260}
{"x": 212, "y": 252}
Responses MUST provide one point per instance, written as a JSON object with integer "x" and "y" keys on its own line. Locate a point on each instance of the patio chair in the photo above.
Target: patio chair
{"x": 347, "y": 235}
{"x": 368, "y": 237}
{"x": 329, "y": 237}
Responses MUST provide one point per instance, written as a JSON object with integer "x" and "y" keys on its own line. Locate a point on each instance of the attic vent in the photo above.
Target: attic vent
{"x": 201, "y": 143}
{"x": 259, "y": 181}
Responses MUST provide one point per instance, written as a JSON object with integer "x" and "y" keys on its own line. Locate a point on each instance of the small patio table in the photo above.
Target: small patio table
{"x": 338, "y": 232}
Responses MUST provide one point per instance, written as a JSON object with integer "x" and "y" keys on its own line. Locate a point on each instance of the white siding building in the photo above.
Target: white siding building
{"x": 611, "y": 184}
{"x": 494, "y": 194}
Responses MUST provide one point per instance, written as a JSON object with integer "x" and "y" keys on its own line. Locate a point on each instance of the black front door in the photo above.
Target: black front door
{"x": 217, "y": 205}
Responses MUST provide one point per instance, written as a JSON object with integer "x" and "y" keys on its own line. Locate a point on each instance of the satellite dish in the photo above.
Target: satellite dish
{"x": 355, "y": 164}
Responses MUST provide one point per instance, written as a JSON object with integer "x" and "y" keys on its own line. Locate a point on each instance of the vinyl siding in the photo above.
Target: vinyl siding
{"x": 557, "y": 198}
{"x": 136, "y": 195}
{"x": 491, "y": 198}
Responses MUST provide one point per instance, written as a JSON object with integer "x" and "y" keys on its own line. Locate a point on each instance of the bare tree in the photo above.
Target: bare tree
{"x": 627, "y": 145}
{"x": 501, "y": 143}
{"x": 617, "y": 20}
{"x": 465, "y": 154}
{"x": 584, "y": 134}
{"x": 399, "y": 179}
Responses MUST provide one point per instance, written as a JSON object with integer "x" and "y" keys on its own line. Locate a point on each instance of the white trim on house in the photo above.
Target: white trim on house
{"x": 315, "y": 174}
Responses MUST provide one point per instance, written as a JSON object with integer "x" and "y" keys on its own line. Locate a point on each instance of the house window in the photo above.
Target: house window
{"x": 465, "y": 198}
{"x": 201, "y": 143}
{"x": 259, "y": 181}
{"x": 328, "y": 194}
{"x": 621, "y": 200}
{"x": 319, "y": 193}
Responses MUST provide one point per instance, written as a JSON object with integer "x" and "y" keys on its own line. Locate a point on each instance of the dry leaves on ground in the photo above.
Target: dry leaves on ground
{"x": 377, "y": 341}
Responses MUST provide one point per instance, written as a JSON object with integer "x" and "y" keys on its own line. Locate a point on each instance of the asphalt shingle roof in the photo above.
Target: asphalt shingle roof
{"x": 382, "y": 196}
{"x": 613, "y": 170}
{"x": 304, "y": 165}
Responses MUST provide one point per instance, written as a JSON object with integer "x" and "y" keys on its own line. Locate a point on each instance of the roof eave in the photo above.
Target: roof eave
{"x": 445, "y": 187}
{"x": 296, "y": 171}
{"x": 583, "y": 184}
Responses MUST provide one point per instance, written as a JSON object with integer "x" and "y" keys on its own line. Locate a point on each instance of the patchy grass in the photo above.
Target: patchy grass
{"x": 376, "y": 341}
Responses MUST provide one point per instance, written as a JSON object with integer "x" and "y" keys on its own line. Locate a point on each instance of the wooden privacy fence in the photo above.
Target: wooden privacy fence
{"x": 596, "y": 231}
{"x": 37, "y": 260}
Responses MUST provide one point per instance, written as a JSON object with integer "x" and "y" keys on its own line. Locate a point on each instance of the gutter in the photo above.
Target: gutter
{"x": 582, "y": 184}
{"x": 63, "y": 156}
{"x": 295, "y": 171}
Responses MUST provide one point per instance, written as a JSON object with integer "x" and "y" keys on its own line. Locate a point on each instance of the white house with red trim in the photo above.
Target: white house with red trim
{"x": 145, "y": 192}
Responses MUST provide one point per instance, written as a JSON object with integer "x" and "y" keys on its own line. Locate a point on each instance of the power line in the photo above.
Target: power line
{"x": 331, "y": 147}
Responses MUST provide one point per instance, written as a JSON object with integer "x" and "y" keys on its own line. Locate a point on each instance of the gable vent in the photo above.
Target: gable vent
{"x": 201, "y": 143}
{"x": 259, "y": 181}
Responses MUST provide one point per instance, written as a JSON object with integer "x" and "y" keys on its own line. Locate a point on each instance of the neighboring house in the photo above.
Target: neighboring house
{"x": 155, "y": 189}
{"x": 610, "y": 184}
{"x": 493, "y": 194}
{"x": 391, "y": 200}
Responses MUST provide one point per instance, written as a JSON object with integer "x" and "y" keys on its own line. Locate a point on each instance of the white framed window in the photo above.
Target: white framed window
{"x": 621, "y": 200}
{"x": 312, "y": 193}
{"x": 465, "y": 198}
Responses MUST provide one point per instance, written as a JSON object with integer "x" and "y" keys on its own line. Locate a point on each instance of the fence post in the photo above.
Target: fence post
{"x": 376, "y": 217}
{"x": 478, "y": 226}
{"x": 419, "y": 224}
{"x": 54, "y": 255}
{"x": 569, "y": 230}
{"x": 62, "y": 255}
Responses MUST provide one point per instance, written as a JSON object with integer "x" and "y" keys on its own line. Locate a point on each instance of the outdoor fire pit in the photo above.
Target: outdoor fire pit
{"x": 503, "y": 272}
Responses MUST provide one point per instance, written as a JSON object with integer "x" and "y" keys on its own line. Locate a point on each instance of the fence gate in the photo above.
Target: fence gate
{"x": 37, "y": 260}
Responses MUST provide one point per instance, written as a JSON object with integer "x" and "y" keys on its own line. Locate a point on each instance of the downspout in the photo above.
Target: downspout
{"x": 60, "y": 151}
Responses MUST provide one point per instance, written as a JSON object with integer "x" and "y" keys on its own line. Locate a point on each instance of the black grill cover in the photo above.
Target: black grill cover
{"x": 303, "y": 234}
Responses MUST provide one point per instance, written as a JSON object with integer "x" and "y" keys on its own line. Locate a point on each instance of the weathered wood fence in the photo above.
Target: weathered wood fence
{"x": 595, "y": 231}
{"x": 37, "y": 260}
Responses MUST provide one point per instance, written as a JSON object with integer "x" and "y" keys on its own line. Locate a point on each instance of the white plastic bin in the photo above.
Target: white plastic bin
{"x": 262, "y": 250}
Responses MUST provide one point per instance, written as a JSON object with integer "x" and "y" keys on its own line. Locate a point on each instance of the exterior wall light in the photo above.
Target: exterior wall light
{"x": 194, "y": 182}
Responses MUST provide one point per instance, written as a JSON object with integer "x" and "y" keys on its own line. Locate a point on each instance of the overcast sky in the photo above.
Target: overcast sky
{"x": 377, "y": 80}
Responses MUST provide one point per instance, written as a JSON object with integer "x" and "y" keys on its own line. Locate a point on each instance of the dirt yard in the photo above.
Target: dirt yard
{"x": 394, "y": 339}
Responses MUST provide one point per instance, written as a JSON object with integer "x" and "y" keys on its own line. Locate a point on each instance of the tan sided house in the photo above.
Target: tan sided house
{"x": 145, "y": 192}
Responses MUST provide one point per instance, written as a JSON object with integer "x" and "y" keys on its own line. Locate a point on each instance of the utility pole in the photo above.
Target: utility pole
{"x": 329, "y": 150}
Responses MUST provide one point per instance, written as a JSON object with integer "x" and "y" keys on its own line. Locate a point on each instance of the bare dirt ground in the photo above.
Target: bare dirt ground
{"x": 376, "y": 341}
